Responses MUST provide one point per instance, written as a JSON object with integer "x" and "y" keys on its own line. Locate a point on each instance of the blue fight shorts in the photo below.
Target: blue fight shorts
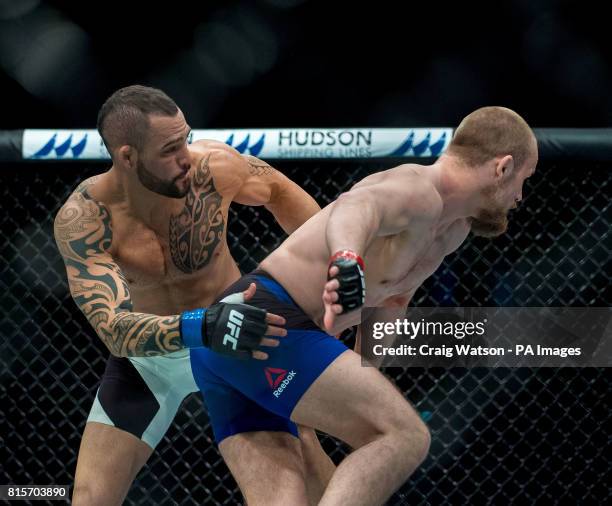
{"x": 260, "y": 395}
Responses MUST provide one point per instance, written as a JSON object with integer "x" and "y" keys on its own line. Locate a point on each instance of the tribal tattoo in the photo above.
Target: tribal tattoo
{"x": 197, "y": 230}
{"x": 83, "y": 235}
{"x": 258, "y": 167}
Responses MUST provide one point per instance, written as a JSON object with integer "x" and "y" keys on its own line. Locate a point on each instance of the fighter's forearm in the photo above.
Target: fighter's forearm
{"x": 145, "y": 335}
{"x": 106, "y": 304}
{"x": 292, "y": 206}
{"x": 99, "y": 288}
{"x": 353, "y": 223}
{"x": 230, "y": 327}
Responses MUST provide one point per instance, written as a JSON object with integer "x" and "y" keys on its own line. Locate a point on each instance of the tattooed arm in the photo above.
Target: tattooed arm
{"x": 247, "y": 180}
{"x": 83, "y": 235}
{"x": 264, "y": 185}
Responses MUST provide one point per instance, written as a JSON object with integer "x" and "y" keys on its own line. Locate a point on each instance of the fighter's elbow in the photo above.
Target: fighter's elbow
{"x": 112, "y": 340}
{"x": 114, "y": 348}
{"x": 117, "y": 353}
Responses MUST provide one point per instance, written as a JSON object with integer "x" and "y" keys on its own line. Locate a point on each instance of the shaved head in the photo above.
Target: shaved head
{"x": 493, "y": 131}
{"x": 124, "y": 117}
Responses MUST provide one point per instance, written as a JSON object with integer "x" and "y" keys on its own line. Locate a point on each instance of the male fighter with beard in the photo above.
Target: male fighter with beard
{"x": 144, "y": 246}
{"x": 370, "y": 250}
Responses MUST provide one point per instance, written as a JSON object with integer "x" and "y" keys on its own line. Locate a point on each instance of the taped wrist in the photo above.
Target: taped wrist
{"x": 191, "y": 328}
{"x": 226, "y": 328}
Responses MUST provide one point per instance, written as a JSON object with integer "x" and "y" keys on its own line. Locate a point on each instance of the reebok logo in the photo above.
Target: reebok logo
{"x": 234, "y": 324}
{"x": 278, "y": 379}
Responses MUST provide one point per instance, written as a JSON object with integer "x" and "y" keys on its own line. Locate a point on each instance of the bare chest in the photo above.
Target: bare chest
{"x": 401, "y": 263}
{"x": 181, "y": 245}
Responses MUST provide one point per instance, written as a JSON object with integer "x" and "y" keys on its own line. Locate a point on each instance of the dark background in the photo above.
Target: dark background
{"x": 499, "y": 435}
{"x": 534, "y": 436}
{"x": 276, "y": 63}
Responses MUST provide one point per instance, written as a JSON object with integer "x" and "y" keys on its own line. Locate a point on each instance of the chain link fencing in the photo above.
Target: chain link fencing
{"x": 499, "y": 435}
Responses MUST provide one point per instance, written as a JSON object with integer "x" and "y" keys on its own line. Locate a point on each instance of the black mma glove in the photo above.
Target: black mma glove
{"x": 234, "y": 330}
{"x": 351, "y": 292}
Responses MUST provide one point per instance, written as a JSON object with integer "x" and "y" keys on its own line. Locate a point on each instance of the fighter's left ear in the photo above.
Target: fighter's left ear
{"x": 504, "y": 166}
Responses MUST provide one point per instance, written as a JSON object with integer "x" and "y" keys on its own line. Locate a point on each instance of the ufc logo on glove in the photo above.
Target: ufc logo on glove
{"x": 234, "y": 325}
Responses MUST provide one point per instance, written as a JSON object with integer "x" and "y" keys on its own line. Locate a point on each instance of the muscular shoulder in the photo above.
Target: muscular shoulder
{"x": 82, "y": 220}
{"x": 87, "y": 185}
{"x": 423, "y": 197}
{"x": 226, "y": 166}
{"x": 204, "y": 146}
{"x": 404, "y": 189}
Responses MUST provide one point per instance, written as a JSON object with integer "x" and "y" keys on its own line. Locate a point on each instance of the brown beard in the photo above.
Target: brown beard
{"x": 160, "y": 186}
{"x": 492, "y": 220}
{"x": 489, "y": 225}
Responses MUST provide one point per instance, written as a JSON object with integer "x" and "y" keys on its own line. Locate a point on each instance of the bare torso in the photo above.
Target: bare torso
{"x": 180, "y": 260}
{"x": 395, "y": 265}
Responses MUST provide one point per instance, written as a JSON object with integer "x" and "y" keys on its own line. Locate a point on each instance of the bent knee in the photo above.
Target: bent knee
{"x": 420, "y": 440}
{"x": 87, "y": 494}
{"x": 83, "y": 495}
{"x": 413, "y": 431}
{"x": 411, "y": 435}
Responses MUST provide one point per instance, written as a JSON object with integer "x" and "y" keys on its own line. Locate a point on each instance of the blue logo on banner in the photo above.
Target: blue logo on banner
{"x": 61, "y": 150}
{"x": 243, "y": 147}
{"x": 435, "y": 148}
